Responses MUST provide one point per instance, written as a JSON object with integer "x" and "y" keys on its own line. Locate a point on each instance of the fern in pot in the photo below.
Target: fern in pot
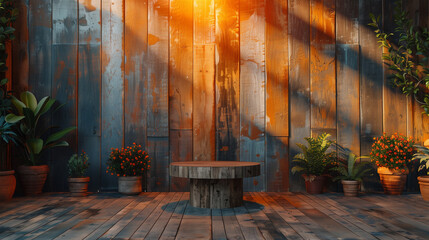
{"x": 314, "y": 161}
{"x": 422, "y": 155}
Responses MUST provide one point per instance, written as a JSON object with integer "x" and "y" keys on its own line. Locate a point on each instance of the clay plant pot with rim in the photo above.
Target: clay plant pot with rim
{"x": 78, "y": 186}
{"x": 314, "y": 184}
{"x": 130, "y": 185}
{"x": 7, "y": 185}
{"x": 350, "y": 187}
{"x": 393, "y": 181}
{"x": 33, "y": 178}
{"x": 424, "y": 187}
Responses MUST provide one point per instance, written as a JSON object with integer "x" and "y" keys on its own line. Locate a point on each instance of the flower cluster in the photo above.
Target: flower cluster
{"x": 78, "y": 165}
{"x": 129, "y": 161}
{"x": 393, "y": 152}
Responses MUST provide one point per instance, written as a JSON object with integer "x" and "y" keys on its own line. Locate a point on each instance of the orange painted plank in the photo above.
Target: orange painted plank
{"x": 157, "y": 64}
{"x": 347, "y": 21}
{"x": 299, "y": 80}
{"x": 277, "y": 99}
{"x": 112, "y": 88}
{"x": 180, "y": 150}
{"x": 135, "y": 84}
{"x": 89, "y": 84}
{"x": 204, "y": 22}
{"x": 322, "y": 70}
{"x": 180, "y": 64}
{"x": 227, "y": 80}
{"x": 252, "y": 89}
{"x": 204, "y": 103}
{"x": 20, "y": 50}
{"x": 277, "y": 65}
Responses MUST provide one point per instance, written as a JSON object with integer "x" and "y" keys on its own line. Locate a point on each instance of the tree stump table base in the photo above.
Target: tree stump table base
{"x": 216, "y": 193}
{"x": 215, "y": 184}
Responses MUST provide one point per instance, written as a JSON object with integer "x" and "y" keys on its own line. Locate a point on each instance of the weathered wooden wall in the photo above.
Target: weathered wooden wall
{"x": 205, "y": 80}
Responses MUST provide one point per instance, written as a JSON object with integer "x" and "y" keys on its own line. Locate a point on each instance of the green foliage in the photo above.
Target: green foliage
{"x": 407, "y": 56}
{"x": 27, "y": 112}
{"x": 78, "y": 165}
{"x": 422, "y": 155}
{"x": 129, "y": 161}
{"x": 314, "y": 159}
{"x": 8, "y": 14}
{"x": 351, "y": 169}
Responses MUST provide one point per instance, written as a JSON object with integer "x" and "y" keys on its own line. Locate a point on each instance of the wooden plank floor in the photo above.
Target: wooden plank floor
{"x": 169, "y": 216}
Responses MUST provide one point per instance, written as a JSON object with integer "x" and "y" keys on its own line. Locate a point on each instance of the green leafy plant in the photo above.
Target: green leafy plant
{"x": 422, "y": 155}
{"x": 352, "y": 169}
{"x": 129, "y": 161}
{"x": 407, "y": 55}
{"x": 31, "y": 135}
{"x": 394, "y": 152}
{"x": 8, "y": 14}
{"x": 78, "y": 165}
{"x": 315, "y": 158}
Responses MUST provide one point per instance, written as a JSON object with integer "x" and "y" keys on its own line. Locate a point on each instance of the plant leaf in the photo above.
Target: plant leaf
{"x": 29, "y": 100}
{"x": 56, "y": 136}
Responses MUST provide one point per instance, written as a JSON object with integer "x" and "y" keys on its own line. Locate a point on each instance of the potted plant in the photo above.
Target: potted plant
{"x": 392, "y": 155}
{"x": 31, "y": 136}
{"x": 351, "y": 173}
{"x": 78, "y": 182}
{"x": 314, "y": 162}
{"x": 129, "y": 164}
{"x": 422, "y": 155}
{"x": 7, "y": 176}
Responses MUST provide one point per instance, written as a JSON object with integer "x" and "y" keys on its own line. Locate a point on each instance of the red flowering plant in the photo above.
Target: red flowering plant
{"x": 129, "y": 161}
{"x": 394, "y": 152}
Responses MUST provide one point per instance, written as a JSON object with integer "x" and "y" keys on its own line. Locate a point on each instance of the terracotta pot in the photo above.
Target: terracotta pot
{"x": 424, "y": 187}
{"x": 314, "y": 184}
{"x": 130, "y": 185}
{"x": 33, "y": 178}
{"x": 78, "y": 186}
{"x": 7, "y": 185}
{"x": 350, "y": 188}
{"x": 393, "y": 181}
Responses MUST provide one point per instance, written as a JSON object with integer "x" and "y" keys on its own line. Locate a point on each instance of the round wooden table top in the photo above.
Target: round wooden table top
{"x": 214, "y": 169}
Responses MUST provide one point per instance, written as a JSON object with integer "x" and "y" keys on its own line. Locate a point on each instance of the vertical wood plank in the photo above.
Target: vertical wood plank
{"x": 157, "y": 119}
{"x": 277, "y": 98}
{"x": 89, "y": 84}
{"x": 20, "y": 49}
{"x": 204, "y": 125}
{"x": 158, "y": 179}
{"x": 394, "y": 102}
{"x": 180, "y": 150}
{"x": 40, "y": 41}
{"x": 299, "y": 80}
{"x": 371, "y": 72}
{"x": 135, "y": 84}
{"x": 277, "y": 65}
{"x": 64, "y": 85}
{"x": 347, "y": 70}
{"x": 348, "y": 96}
{"x": 252, "y": 89}
{"x": 322, "y": 70}
{"x": 112, "y": 89}
{"x": 204, "y": 111}
{"x": 180, "y": 84}
{"x": 227, "y": 80}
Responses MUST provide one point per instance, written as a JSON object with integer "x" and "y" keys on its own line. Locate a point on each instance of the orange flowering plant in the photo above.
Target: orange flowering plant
{"x": 129, "y": 161}
{"x": 394, "y": 152}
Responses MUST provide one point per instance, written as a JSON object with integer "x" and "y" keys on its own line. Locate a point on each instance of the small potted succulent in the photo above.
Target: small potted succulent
{"x": 129, "y": 164}
{"x": 392, "y": 155}
{"x": 78, "y": 182}
{"x": 351, "y": 172}
{"x": 422, "y": 155}
{"x": 314, "y": 162}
